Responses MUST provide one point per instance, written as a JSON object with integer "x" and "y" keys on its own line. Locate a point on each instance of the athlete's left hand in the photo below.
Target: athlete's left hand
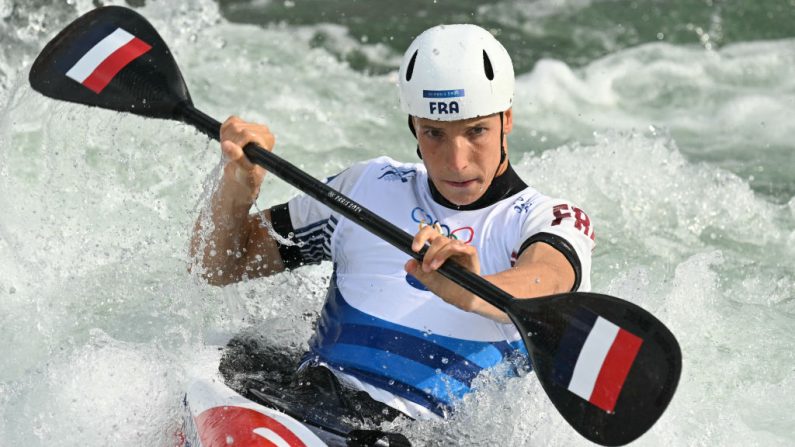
{"x": 440, "y": 250}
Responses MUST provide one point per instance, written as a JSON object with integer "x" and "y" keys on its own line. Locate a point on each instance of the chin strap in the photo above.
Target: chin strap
{"x": 502, "y": 147}
{"x": 414, "y": 132}
{"x": 503, "y": 153}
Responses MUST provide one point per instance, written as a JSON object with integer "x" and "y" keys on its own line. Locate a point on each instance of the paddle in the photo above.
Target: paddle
{"x": 609, "y": 367}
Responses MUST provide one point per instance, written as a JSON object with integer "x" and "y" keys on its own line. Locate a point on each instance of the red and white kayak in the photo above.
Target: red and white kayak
{"x": 217, "y": 416}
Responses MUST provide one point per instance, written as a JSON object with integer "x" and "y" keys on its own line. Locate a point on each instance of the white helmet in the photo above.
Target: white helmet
{"x": 454, "y": 72}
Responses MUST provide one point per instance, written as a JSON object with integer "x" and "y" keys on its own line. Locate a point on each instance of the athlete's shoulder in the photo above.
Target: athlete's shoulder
{"x": 525, "y": 201}
{"x": 553, "y": 215}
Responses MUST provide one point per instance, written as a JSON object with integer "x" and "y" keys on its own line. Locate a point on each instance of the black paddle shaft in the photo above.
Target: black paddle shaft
{"x": 348, "y": 208}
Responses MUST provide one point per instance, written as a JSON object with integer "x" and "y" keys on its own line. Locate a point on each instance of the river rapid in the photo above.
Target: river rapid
{"x": 671, "y": 123}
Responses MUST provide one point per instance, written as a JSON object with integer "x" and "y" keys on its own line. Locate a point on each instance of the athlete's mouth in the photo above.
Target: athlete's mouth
{"x": 462, "y": 184}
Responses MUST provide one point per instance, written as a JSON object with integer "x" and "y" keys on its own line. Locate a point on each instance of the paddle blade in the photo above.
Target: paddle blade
{"x": 610, "y": 367}
{"x": 112, "y": 58}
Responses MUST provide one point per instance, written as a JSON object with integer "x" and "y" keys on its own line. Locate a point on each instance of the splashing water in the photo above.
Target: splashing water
{"x": 678, "y": 150}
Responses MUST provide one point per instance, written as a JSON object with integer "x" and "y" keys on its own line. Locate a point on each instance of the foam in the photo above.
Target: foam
{"x": 729, "y": 106}
{"x": 98, "y": 208}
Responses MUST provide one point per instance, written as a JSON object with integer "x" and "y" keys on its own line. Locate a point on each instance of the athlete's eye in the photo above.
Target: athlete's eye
{"x": 433, "y": 133}
{"x": 477, "y": 131}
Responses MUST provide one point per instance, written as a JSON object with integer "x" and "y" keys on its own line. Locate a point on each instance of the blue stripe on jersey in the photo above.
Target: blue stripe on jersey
{"x": 481, "y": 354}
{"x": 315, "y": 255}
{"x": 314, "y": 236}
{"x": 429, "y": 369}
{"x": 412, "y": 348}
{"x": 300, "y": 231}
{"x": 315, "y": 240}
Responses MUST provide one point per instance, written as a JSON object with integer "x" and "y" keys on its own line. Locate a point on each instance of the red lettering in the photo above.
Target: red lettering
{"x": 559, "y": 214}
{"x": 581, "y": 220}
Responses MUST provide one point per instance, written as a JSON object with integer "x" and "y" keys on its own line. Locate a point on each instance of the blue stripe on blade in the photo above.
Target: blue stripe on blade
{"x": 571, "y": 344}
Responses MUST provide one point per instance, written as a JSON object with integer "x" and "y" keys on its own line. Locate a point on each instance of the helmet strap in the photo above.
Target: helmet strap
{"x": 503, "y": 154}
{"x": 414, "y": 132}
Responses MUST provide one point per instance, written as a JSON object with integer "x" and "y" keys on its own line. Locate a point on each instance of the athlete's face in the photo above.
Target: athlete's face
{"x": 462, "y": 157}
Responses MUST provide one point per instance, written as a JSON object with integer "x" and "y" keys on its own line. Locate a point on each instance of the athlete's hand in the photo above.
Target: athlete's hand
{"x": 440, "y": 250}
{"x": 242, "y": 177}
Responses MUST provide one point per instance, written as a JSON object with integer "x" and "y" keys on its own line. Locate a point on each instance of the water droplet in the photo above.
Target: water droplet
{"x": 445, "y": 360}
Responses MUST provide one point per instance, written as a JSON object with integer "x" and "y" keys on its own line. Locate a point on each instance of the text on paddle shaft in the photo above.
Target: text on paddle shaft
{"x": 344, "y": 201}
{"x": 581, "y": 220}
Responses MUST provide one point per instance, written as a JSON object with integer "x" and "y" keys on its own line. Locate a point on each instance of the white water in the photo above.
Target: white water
{"x": 102, "y": 326}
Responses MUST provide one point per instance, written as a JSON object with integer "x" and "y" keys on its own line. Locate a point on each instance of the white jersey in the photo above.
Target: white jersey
{"x": 381, "y": 330}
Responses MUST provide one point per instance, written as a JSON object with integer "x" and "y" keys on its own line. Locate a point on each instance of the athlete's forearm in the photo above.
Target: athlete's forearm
{"x": 540, "y": 271}
{"x": 228, "y": 243}
{"x": 219, "y": 234}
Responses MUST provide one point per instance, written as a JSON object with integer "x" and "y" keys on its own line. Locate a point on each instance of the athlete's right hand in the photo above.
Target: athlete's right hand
{"x": 240, "y": 175}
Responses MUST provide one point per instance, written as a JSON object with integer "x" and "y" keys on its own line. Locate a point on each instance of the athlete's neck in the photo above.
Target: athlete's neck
{"x": 504, "y": 185}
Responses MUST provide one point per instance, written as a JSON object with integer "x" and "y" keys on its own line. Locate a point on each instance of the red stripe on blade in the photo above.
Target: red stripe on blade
{"x": 614, "y": 370}
{"x": 105, "y": 71}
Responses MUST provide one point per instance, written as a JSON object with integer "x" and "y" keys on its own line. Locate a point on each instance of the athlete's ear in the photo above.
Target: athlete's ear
{"x": 507, "y": 124}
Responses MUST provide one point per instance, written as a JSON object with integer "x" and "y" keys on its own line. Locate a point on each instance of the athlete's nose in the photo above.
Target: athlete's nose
{"x": 459, "y": 154}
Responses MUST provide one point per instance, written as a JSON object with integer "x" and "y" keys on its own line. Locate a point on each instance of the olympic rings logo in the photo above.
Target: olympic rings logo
{"x": 463, "y": 234}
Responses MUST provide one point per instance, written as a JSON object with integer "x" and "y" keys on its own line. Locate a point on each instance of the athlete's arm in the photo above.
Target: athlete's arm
{"x": 227, "y": 242}
{"x": 540, "y": 270}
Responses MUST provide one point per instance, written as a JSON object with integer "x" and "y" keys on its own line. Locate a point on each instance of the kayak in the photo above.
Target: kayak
{"x": 216, "y": 416}
{"x": 257, "y": 397}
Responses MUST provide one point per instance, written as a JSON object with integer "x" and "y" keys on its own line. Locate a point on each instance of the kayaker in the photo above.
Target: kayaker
{"x": 394, "y": 334}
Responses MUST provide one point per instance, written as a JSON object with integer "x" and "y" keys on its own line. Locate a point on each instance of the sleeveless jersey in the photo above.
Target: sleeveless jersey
{"x": 380, "y": 329}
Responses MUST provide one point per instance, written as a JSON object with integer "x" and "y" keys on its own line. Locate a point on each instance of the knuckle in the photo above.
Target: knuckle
{"x": 270, "y": 141}
{"x": 232, "y": 123}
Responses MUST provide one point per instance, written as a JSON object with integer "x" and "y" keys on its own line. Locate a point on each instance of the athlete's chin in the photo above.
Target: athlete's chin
{"x": 462, "y": 195}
